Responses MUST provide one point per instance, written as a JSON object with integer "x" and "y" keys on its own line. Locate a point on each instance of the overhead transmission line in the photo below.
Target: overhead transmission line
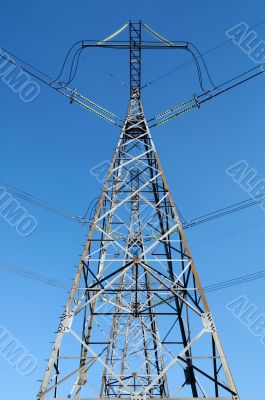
{"x": 59, "y": 40}
{"x": 225, "y": 284}
{"x": 195, "y": 102}
{"x": 54, "y": 282}
{"x": 235, "y": 282}
{"x": 51, "y": 207}
{"x": 210, "y": 50}
{"x": 224, "y": 211}
{"x": 225, "y": 235}
{"x": 32, "y": 275}
{"x": 87, "y": 219}
{"x": 61, "y": 88}
{"x": 191, "y": 48}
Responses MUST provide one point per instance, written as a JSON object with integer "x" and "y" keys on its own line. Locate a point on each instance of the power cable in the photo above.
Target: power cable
{"x": 72, "y": 95}
{"x": 227, "y": 234}
{"x": 235, "y": 281}
{"x": 32, "y": 275}
{"x": 197, "y": 101}
{"x": 45, "y": 205}
{"x": 53, "y": 282}
{"x": 73, "y": 70}
{"x": 224, "y": 211}
{"x": 65, "y": 61}
{"x": 104, "y": 70}
{"x": 210, "y": 50}
{"x": 221, "y": 212}
{"x": 188, "y": 46}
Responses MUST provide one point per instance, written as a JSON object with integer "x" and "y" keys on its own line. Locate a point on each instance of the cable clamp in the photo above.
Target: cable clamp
{"x": 72, "y": 97}
{"x": 198, "y": 104}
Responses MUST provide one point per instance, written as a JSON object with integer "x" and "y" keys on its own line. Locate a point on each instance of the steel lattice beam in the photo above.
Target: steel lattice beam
{"x": 137, "y": 324}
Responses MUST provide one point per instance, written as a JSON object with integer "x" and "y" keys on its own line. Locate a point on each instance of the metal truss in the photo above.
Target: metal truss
{"x": 137, "y": 324}
{"x": 135, "y": 56}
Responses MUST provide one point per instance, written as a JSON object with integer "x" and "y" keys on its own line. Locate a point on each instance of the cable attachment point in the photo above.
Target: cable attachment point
{"x": 73, "y": 96}
{"x": 198, "y": 104}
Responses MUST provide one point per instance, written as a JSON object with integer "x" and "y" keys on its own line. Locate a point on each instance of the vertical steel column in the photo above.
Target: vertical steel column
{"x": 135, "y": 58}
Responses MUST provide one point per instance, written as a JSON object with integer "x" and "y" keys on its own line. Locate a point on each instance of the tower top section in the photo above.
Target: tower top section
{"x": 135, "y": 30}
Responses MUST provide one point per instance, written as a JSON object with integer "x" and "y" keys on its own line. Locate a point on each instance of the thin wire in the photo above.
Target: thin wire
{"x": 51, "y": 281}
{"x": 65, "y": 61}
{"x": 237, "y": 77}
{"x": 32, "y": 275}
{"x": 43, "y": 204}
{"x": 27, "y": 64}
{"x": 227, "y": 234}
{"x": 100, "y": 67}
{"x": 221, "y": 212}
{"x": 206, "y": 96}
{"x": 204, "y": 63}
{"x": 92, "y": 206}
{"x": 72, "y": 74}
{"x": 198, "y": 69}
{"x": 233, "y": 86}
{"x": 212, "y": 49}
{"x": 224, "y": 211}
{"x": 71, "y": 96}
{"x": 235, "y": 282}
{"x": 72, "y": 77}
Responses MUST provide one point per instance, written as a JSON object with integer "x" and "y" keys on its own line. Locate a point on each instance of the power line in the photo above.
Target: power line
{"x": 44, "y": 204}
{"x": 182, "y": 108}
{"x": 219, "y": 213}
{"x": 190, "y": 47}
{"x": 90, "y": 212}
{"x": 53, "y": 282}
{"x": 71, "y": 94}
{"x": 212, "y": 49}
{"x": 235, "y": 282}
{"x": 197, "y": 101}
{"x": 228, "y": 234}
{"x": 224, "y": 211}
{"x": 107, "y": 72}
{"x": 32, "y": 275}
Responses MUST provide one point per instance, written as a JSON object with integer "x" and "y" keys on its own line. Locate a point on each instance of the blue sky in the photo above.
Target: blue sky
{"x": 49, "y": 146}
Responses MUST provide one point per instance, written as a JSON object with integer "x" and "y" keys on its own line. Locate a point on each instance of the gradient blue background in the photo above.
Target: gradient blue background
{"x": 48, "y": 147}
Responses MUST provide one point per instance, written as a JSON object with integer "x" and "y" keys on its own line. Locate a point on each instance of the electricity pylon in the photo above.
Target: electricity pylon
{"x": 137, "y": 323}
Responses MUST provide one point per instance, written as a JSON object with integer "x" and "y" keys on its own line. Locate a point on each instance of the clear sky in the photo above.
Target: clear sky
{"x": 48, "y": 147}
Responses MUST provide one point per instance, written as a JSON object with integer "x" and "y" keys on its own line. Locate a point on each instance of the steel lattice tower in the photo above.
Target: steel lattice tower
{"x": 137, "y": 323}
